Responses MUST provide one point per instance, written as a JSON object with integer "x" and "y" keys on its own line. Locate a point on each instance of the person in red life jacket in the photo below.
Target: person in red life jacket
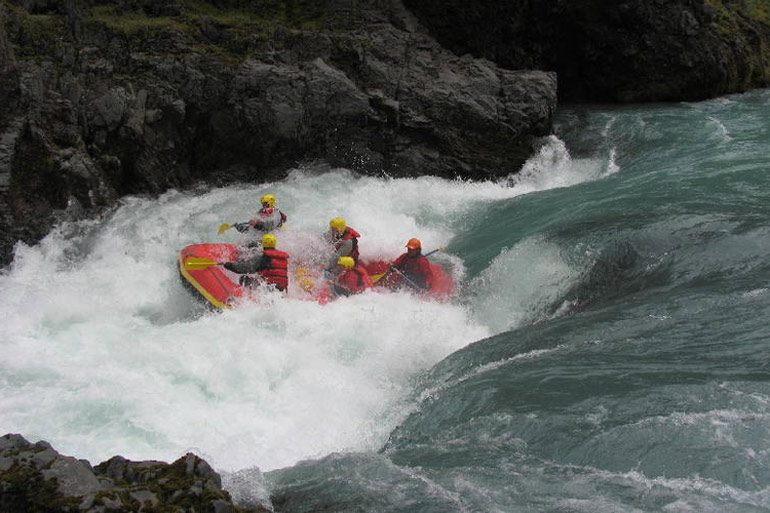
{"x": 344, "y": 239}
{"x": 352, "y": 278}
{"x": 414, "y": 266}
{"x": 271, "y": 266}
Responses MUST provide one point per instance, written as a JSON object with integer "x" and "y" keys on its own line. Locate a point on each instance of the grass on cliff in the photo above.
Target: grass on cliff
{"x": 236, "y": 30}
{"x": 733, "y": 19}
{"x": 39, "y": 32}
{"x": 758, "y": 10}
{"x": 755, "y": 9}
{"x": 261, "y": 21}
{"x": 229, "y": 33}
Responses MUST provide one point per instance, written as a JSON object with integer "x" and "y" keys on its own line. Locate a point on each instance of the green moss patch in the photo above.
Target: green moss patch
{"x": 208, "y": 28}
{"x": 24, "y": 489}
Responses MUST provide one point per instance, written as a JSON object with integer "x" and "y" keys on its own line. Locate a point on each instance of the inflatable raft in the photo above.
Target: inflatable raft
{"x": 221, "y": 288}
{"x": 212, "y": 282}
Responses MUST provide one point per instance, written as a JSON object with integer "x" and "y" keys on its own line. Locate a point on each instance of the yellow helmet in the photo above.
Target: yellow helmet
{"x": 268, "y": 241}
{"x": 346, "y": 262}
{"x": 269, "y": 199}
{"x": 338, "y": 223}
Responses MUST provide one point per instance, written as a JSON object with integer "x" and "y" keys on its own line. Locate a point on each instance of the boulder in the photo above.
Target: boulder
{"x": 35, "y": 477}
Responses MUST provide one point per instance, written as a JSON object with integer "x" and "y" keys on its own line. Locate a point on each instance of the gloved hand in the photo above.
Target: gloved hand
{"x": 241, "y": 227}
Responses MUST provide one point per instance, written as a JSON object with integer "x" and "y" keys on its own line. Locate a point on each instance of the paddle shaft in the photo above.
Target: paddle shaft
{"x": 407, "y": 279}
{"x": 197, "y": 263}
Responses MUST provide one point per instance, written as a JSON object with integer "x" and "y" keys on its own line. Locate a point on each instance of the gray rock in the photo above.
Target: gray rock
{"x": 145, "y": 498}
{"x": 31, "y": 473}
{"x": 74, "y": 477}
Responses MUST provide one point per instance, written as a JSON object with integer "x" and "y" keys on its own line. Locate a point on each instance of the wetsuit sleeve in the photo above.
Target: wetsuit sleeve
{"x": 246, "y": 267}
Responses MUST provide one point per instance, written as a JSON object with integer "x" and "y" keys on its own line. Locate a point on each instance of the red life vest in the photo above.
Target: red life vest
{"x": 416, "y": 268}
{"x": 355, "y": 280}
{"x": 349, "y": 234}
{"x": 275, "y": 267}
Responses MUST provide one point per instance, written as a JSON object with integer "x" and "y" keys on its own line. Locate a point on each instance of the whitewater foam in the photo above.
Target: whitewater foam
{"x": 106, "y": 353}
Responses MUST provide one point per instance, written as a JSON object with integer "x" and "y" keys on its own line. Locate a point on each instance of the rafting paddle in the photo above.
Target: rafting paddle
{"x": 238, "y": 226}
{"x": 408, "y": 280}
{"x": 197, "y": 263}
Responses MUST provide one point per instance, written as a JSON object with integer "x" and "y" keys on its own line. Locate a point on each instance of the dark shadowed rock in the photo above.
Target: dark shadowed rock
{"x": 97, "y": 105}
{"x": 627, "y": 51}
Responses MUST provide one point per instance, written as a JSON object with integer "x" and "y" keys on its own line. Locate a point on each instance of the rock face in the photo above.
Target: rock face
{"x": 107, "y": 98}
{"x": 625, "y": 51}
{"x": 102, "y": 98}
{"x": 34, "y": 477}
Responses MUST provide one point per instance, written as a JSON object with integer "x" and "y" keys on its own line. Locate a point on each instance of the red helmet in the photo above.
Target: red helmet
{"x": 414, "y": 244}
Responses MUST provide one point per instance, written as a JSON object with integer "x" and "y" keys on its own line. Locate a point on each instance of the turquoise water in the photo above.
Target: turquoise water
{"x": 639, "y": 379}
{"x": 606, "y": 350}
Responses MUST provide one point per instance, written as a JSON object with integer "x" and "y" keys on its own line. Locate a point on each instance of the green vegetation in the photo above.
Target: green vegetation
{"x": 133, "y": 22}
{"x": 734, "y": 18}
{"x": 284, "y": 14}
{"x": 39, "y": 33}
{"x": 758, "y": 10}
{"x": 211, "y": 29}
{"x": 755, "y": 9}
{"x": 24, "y": 489}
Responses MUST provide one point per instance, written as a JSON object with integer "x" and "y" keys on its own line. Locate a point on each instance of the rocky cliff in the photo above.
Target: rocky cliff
{"x": 105, "y": 98}
{"x": 102, "y": 98}
{"x": 625, "y": 51}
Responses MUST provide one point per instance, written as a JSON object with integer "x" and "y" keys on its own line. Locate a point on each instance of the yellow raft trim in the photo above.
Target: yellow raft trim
{"x": 192, "y": 281}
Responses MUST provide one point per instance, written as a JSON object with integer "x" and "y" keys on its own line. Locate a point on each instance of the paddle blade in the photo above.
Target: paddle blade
{"x": 196, "y": 263}
{"x": 440, "y": 248}
{"x": 305, "y": 282}
{"x": 224, "y": 227}
{"x": 377, "y": 277}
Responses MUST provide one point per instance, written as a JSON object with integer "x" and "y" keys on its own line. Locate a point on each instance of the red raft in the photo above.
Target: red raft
{"x": 213, "y": 282}
{"x": 220, "y": 287}
{"x": 440, "y": 284}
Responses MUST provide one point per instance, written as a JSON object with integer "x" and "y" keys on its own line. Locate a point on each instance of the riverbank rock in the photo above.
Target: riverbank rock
{"x": 625, "y": 51}
{"x": 106, "y": 98}
{"x": 34, "y": 477}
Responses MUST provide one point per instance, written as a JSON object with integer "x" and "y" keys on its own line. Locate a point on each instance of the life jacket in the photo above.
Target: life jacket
{"x": 275, "y": 267}
{"x": 408, "y": 265}
{"x": 349, "y": 234}
{"x": 416, "y": 268}
{"x": 360, "y": 280}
